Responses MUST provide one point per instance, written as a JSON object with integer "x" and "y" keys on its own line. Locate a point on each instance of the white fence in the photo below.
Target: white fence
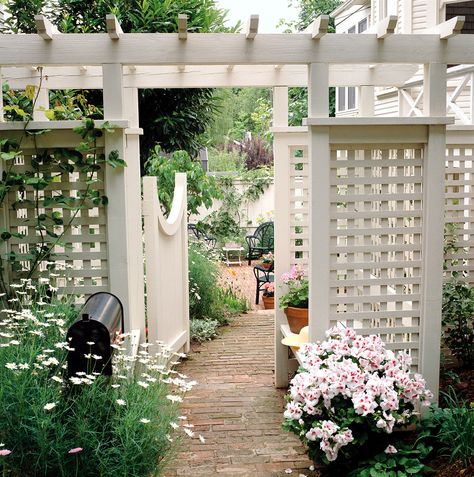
{"x": 459, "y": 196}
{"x": 166, "y": 262}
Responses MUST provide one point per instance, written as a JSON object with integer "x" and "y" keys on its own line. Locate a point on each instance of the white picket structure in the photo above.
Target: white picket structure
{"x": 166, "y": 262}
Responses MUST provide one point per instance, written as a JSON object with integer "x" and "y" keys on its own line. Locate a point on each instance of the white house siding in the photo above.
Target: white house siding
{"x": 387, "y": 105}
{"x": 419, "y": 15}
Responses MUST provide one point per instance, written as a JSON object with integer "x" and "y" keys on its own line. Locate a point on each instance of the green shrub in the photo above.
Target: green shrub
{"x": 455, "y": 425}
{"x": 234, "y": 304}
{"x": 399, "y": 460}
{"x": 203, "y": 330}
{"x": 458, "y": 313}
{"x": 84, "y": 426}
{"x": 204, "y": 300}
{"x": 224, "y": 161}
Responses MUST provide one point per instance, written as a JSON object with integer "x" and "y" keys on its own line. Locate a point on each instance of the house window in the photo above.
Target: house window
{"x": 465, "y": 9}
{"x": 347, "y": 95}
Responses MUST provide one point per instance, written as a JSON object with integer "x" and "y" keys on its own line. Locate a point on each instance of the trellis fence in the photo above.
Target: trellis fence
{"x": 377, "y": 224}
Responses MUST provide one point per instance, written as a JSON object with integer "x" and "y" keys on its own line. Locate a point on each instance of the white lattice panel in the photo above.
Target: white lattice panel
{"x": 376, "y": 241}
{"x": 299, "y": 206}
{"x": 81, "y": 254}
{"x": 459, "y": 209}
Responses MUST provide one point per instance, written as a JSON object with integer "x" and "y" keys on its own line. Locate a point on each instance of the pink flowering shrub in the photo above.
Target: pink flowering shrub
{"x": 350, "y": 388}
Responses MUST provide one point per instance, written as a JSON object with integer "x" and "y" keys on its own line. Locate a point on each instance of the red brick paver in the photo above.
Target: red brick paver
{"x": 237, "y": 409}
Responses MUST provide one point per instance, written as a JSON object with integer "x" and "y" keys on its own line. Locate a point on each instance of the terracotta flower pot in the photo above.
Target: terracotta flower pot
{"x": 297, "y": 318}
{"x": 266, "y": 266}
{"x": 268, "y": 302}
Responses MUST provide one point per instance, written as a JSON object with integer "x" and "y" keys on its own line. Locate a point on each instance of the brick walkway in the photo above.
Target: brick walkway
{"x": 237, "y": 409}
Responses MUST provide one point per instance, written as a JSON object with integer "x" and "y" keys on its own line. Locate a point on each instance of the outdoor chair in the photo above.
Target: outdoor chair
{"x": 262, "y": 275}
{"x": 261, "y": 241}
{"x": 201, "y": 235}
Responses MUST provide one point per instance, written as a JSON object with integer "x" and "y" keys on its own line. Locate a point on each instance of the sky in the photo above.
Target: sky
{"x": 270, "y": 12}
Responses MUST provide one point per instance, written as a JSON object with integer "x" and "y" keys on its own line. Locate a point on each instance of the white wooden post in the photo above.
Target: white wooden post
{"x": 122, "y": 185}
{"x": 280, "y": 106}
{"x": 433, "y": 221}
{"x": 42, "y": 103}
{"x": 282, "y": 226}
{"x": 471, "y": 98}
{"x": 319, "y": 228}
{"x": 366, "y": 101}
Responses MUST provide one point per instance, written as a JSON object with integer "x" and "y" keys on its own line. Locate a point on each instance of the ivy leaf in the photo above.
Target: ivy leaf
{"x": 30, "y": 91}
{"x": 114, "y": 161}
{"x": 8, "y": 156}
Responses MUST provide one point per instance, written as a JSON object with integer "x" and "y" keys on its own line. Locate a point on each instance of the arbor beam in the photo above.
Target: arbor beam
{"x": 114, "y": 30}
{"x": 386, "y": 27}
{"x": 266, "y": 49}
{"x": 45, "y": 28}
{"x": 252, "y": 27}
{"x": 182, "y": 26}
{"x": 449, "y": 28}
{"x": 319, "y": 27}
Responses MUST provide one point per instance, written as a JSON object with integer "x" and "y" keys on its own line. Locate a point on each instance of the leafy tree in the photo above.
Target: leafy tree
{"x": 308, "y": 11}
{"x": 175, "y": 118}
{"x": 240, "y": 110}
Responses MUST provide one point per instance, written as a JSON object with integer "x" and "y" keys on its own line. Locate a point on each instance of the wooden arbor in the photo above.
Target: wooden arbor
{"x": 360, "y": 199}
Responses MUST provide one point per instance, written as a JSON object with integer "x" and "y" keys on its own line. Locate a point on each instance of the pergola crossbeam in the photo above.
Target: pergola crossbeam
{"x": 182, "y": 26}
{"x": 449, "y": 28}
{"x": 319, "y": 27}
{"x": 386, "y": 27}
{"x": 270, "y": 49}
{"x": 252, "y": 27}
{"x": 114, "y": 29}
{"x": 45, "y": 28}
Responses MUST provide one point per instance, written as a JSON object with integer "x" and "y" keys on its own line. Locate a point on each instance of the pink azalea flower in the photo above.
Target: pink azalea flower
{"x": 75, "y": 450}
{"x": 4, "y": 452}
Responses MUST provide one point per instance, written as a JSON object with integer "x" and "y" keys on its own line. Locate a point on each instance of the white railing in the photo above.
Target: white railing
{"x": 166, "y": 262}
{"x": 459, "y": 101}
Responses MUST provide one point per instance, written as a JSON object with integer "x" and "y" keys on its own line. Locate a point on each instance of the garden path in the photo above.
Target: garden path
{"x": 237, "y": 409}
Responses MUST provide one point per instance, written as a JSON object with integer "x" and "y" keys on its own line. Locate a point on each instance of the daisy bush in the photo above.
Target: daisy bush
{"x": 349, "y": 395}
{"x": 86, "y": 425}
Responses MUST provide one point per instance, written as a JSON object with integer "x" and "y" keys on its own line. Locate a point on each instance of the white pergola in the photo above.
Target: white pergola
{"x": 334, "y": 151}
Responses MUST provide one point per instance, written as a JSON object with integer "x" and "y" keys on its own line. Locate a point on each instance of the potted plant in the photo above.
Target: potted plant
{"x": 267, "y": 260}
{"x": 269, "y": 295}
{"x": 295, "y": 301}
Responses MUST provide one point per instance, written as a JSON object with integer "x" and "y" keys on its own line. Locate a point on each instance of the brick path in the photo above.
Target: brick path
{"x": 237, "y": 409}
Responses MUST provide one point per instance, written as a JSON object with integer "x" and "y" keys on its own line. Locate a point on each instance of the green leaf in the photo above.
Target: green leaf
{"x": 5, "y": 235}
{"x": 114, "y": 161}
{"x": 8, "y": 156}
